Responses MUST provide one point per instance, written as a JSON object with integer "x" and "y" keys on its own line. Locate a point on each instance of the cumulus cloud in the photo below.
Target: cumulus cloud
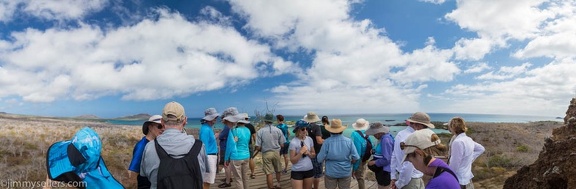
{"x": 505, "y": 72}
{"x": 477, "y": 68}
{"x": 154, "y": 59}
{"x": 354, "y": 62}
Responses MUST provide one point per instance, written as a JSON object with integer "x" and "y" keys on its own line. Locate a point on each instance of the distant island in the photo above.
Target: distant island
{"x": 141, "y": 116}
{"x": 88, "y": 116}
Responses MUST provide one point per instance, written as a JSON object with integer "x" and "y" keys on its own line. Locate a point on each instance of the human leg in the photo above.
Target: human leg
{"x": 359, "y": 174}
{"x": 330, "y": 183}
{"x": 344, "y": 183}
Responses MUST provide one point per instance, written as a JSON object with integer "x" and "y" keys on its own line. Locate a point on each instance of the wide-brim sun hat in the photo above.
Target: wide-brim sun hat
{"x": 422, "y": 118}
{"x": 376, "y": 128}
{"x": 335, "y": 126}
{"x": 80, "y": 154}
{"x": 421, "y": 139}
{"x": 210, "y": 114}
{"x": 311, "y": 117}
{"x": 243, "y": 119}
{"x": 360, "y": 124}
{"x": 152, "y": 119}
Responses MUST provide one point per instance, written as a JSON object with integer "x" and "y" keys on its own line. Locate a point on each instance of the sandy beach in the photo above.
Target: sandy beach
{"x": 25, "y": 139}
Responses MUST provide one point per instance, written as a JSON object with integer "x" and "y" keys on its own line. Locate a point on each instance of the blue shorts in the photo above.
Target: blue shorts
{"x": 318, "y": 168}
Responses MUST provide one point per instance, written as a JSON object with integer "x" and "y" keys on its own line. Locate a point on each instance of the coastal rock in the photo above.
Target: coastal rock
{"x": 556, "y": 164}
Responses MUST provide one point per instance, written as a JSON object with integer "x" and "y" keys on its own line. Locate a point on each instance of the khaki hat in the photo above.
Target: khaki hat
{"x": 422, "y": 118}
{"x": 311, "y": 117}
{"x": 175, "y": 109}
{"x": 421, "y": 139}
{"x": 335, "y": 126}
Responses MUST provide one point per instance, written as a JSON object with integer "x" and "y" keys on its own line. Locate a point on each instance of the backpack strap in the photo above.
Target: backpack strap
{"x": 160, "y": 151}
{"x": 195, "y": 148}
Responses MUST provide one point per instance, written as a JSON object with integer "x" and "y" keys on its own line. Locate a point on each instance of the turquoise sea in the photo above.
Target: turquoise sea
{"x": 387, "y": 119}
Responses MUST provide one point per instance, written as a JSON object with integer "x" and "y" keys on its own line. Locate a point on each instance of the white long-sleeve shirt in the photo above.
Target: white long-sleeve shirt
{"x": 406, "y": 170}
{"x": 463, "y": 151}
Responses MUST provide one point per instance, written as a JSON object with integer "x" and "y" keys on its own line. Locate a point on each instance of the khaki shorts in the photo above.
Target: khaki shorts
{"x": 271, "y": 162}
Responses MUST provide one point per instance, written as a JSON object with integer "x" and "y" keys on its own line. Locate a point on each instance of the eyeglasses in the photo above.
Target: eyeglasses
{"x": 159, "y": 126}
{"x": 404, "y": 146}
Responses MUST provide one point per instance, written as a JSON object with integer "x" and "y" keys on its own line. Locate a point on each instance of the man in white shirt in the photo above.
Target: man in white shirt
{"x": 403, "y": 174}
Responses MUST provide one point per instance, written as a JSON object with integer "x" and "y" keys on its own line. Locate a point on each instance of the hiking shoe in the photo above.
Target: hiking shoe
{"x": 224, "y": 180}
{"x": 225, "y": 185}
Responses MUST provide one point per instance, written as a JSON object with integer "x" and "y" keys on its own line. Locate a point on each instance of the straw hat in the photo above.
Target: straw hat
{"x": 335, "y": 126}
{"x": 311, "y": 117}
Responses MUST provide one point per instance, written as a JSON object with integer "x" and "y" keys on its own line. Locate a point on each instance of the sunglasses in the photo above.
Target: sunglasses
{"x": 159, "y": 126}
{"x": 303, "y": 129}
{"x": 404, "y": 146}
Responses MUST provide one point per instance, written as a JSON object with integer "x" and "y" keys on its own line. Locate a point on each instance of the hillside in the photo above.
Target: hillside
{"x": 555, "y": 167}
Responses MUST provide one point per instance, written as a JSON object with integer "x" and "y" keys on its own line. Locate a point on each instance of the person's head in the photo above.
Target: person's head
{"x": 300, "y": 128}
{"x": 269, "y": 118}
{"x": 325, "y": 120}
{"x": 280, "y": 118}
{"x": 336, "y": 127}
{"x": 421, "y": 147}
{"x": 153, "y": 127}
{"x": 210, "y": 116}
{"x": 457, "y": 126}
{"x": 377, "y": 129}
{"x": 230, "y": 116}
{"x": 420, "y": 120}
{"x": 174, "y": 116}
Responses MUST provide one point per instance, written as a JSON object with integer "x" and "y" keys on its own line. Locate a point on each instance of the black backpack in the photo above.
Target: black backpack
{"x": 182, "y": 172}
{"x": 368, "y": 153}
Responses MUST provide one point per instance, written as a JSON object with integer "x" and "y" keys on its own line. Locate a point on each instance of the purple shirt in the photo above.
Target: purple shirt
{"x": 445, "y": 180}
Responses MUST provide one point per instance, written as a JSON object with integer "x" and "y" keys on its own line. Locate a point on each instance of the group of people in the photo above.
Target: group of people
{"x": 167, "y": 157}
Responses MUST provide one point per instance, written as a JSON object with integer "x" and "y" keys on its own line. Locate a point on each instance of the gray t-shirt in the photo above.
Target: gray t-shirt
{"x": 174, "y": 143}
{"x": 305, "y": 163}
{"x": 269, "y": 138}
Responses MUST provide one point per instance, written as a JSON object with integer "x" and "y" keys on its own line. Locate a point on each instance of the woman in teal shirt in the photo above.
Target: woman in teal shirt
{"x": 237, "y": 148}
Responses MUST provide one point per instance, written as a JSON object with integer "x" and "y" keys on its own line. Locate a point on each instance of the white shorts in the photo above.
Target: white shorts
{"x": 211, "y": 176}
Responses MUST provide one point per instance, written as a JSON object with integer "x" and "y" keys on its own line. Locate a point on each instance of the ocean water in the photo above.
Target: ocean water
{"x": 387, "y": 119}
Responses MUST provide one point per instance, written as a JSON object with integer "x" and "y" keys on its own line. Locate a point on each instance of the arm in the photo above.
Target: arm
{"x": 204, "y": 157}
{"x": 358, "y": 144}
{"x": 136, "y": 158}
{"x": 478, "y": 150}
{"x": 318, "y": 132}
{"x": 230, "y": 147}
{"x": 394, "y": 160}
{"x": 281, "y": 140}
{"x": 322, "y": 154}
{"x": 405, "y": 174}
{"x": 354, "y": 154}
{"x": 312, "y": 151}
{"x": 258, "y": 143}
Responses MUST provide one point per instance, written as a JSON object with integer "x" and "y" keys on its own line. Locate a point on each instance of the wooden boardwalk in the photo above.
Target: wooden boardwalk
{"x": 260, "y": 181}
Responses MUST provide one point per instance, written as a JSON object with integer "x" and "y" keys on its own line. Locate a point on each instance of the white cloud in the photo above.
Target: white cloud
{"x": 477, "y": 68}
{"x": 354, "y": 62}
{"x": 540, "y": 91}
{"x": 434, "y": 1}
{"x": 153, "y": 59}
{"x": 51, "y": 10}
{"x": 472, "y": 49}
{"x": 505, "y": 72}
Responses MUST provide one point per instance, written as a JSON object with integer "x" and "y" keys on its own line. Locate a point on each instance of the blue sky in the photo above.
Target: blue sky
{"x": 116, "y": 58}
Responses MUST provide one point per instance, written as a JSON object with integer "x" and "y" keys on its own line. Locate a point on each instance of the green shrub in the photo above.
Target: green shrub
{"x": 522, "y": 148}
{"x": 501, "y": 161}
